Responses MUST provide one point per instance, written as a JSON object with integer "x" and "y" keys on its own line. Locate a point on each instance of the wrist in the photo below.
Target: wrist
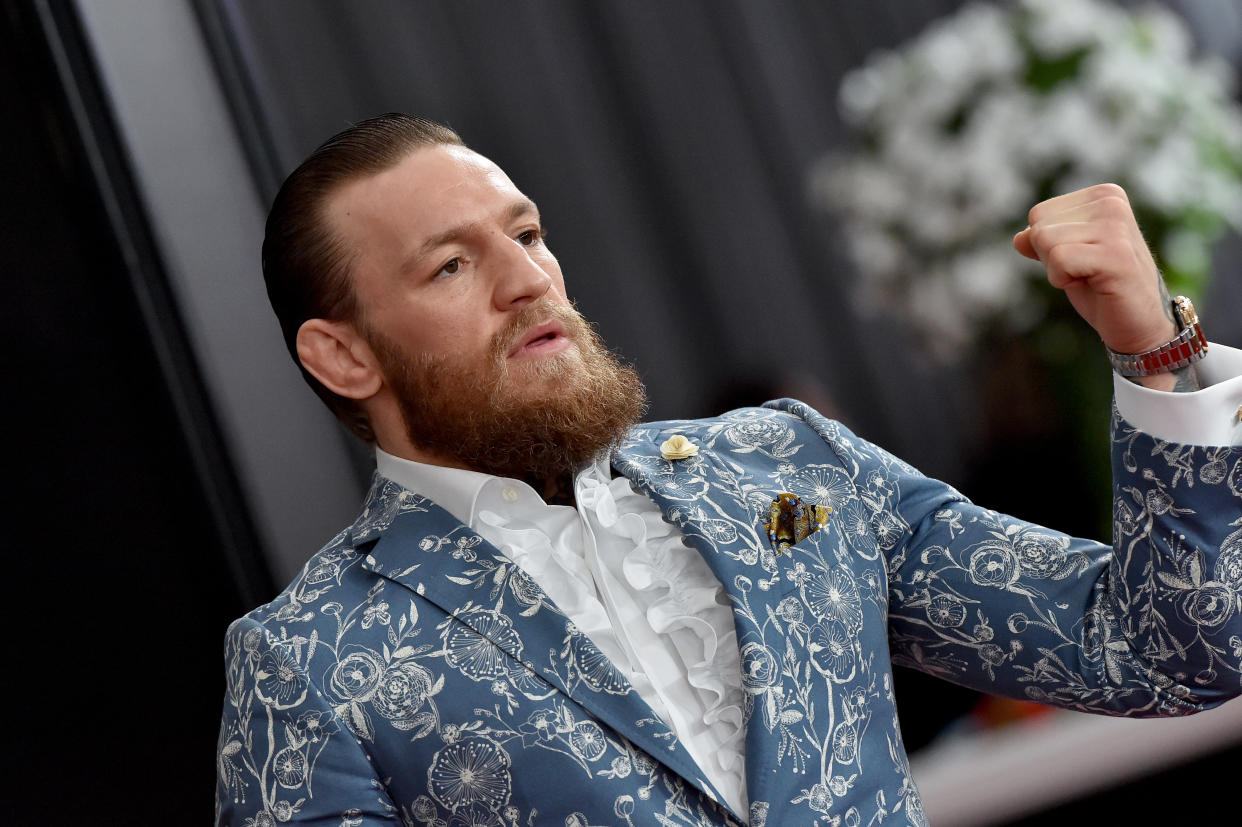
{"x": 1186, "y": 347}
{"x": 1158, "y": 335}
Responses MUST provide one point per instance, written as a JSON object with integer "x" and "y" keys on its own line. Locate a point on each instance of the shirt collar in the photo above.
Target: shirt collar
{"x": 457, "y": 490}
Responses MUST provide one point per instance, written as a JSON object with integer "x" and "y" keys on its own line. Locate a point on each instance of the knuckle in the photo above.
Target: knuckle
{"x": 1110, "y": 191}
{"x": 1117, "y": 229}
{"x": 1114, "y": 216}
{"x": 1058, "y": 257}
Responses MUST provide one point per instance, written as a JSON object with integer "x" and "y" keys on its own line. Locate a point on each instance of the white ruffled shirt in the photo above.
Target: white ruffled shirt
{"x": 611, "y": 565}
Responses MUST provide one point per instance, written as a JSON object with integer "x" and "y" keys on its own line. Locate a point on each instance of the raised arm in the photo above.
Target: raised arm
{"x": 1091, "y": 246}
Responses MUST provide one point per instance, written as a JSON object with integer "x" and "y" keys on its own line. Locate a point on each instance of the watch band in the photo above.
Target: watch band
{"x": 1186, "y": 348}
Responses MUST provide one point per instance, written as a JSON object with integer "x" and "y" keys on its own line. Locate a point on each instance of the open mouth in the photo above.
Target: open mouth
{"x": 540, "y": 340}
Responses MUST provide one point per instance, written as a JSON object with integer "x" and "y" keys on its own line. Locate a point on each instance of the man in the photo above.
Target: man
{"x": 548, "y": 614}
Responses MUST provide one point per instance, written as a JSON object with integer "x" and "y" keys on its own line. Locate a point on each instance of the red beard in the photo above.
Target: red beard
{"x": 541, "y": 419}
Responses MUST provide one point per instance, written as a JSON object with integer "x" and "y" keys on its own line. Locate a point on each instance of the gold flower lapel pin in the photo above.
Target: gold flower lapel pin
{"x": 791, "y": 520}
{"x": 678, "y": 447}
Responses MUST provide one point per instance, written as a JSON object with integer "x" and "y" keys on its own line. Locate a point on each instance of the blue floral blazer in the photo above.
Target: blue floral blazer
{"x": 412, "y": 674}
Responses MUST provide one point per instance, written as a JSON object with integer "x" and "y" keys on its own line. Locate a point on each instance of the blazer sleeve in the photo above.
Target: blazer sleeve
{"x": 278, "y": 733}
{"x": 1151, "y": 626}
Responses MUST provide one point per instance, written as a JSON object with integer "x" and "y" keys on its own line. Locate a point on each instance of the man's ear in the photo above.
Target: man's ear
{"x": 339, "y": 358}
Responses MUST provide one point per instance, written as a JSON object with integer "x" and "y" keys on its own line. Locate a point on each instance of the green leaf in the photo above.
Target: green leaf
{"x": 1045, "y": 74}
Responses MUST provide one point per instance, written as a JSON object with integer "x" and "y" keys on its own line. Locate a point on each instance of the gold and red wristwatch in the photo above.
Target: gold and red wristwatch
{"x": 1186, "y": 348}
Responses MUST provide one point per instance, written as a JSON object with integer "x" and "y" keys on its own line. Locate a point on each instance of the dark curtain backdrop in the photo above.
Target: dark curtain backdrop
{"x": 128, "y": 549}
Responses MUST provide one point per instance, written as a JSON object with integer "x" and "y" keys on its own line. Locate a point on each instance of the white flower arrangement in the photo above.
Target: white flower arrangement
{"x": 997, "y": 107}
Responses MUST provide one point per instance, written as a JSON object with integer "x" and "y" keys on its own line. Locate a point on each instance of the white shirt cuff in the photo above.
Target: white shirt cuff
{"x": 1211, "y": 416}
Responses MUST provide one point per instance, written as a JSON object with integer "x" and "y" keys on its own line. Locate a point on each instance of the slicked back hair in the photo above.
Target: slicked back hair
{"x": 305, "y": 265}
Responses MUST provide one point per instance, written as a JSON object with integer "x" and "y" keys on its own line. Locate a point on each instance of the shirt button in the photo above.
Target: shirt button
{"x": 510, "y": 494}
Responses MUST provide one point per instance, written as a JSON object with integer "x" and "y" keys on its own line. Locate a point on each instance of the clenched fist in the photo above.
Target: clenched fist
{"x": 1090, "y": 244}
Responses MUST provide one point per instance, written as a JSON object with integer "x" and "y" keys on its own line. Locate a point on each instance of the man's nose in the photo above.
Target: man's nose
{"x": 520, "y": 279}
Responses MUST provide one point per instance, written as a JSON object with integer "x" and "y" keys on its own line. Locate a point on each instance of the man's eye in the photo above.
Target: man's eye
{"x": 530, "y": 238}
{"x": 450, "y": 268}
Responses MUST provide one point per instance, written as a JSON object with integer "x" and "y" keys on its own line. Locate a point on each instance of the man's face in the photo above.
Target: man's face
{"x": 465, "y": 308}
{"x": 445, "y": 251}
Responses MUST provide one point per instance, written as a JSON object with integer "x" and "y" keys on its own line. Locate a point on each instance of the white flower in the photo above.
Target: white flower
{"x": 987, "y": 35}
{"x": 987, "y": 279}
{"x": 1160, "y": 176}
{"x": 1059, "y": 27}
{"x": 1071, "y": 125}
{"x": 864, "y": 90}
{"x": 997, "y": 106}
{"x": 1168, "y": 35}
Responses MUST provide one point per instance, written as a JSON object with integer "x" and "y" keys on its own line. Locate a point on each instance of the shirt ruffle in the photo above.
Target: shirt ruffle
{"x": 684, "y": 601}
{"x": 563, "y": 575}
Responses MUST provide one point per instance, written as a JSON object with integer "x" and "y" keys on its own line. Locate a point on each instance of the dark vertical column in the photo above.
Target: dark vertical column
{"x": 127, "y": 547}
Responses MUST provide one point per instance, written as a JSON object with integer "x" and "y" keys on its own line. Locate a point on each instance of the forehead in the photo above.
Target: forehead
{"x": 428, "y": 192}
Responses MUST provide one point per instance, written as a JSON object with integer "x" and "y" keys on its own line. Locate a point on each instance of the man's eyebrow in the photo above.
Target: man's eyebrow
{"x": 514, "y": 211}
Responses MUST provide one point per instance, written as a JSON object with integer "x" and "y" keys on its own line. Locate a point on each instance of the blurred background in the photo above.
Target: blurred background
{"x": 751, "y": 199}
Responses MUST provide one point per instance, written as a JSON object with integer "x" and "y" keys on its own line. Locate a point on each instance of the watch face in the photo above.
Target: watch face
{"x": 1185, "y": 312}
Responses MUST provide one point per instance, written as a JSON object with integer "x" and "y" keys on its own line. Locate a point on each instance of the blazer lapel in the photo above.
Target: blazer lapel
{"x": 417, "y": 544}
{"x": 734, "y": 544}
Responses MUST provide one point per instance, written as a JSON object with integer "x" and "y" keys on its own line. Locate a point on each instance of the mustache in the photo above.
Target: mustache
{"x": 527, "y": 317}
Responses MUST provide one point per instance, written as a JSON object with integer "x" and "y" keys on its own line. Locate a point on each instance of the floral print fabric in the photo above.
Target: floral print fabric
{"x": 412, "y": 674}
